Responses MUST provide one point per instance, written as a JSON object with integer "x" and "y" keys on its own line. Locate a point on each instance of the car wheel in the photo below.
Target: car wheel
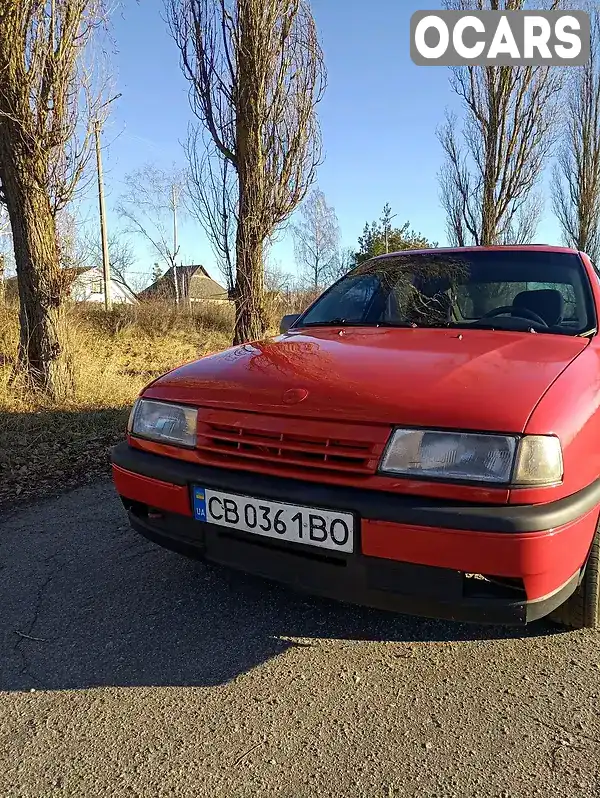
{"x": 582, "y": 609}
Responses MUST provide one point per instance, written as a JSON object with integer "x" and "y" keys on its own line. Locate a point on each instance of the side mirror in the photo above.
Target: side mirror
{"x": 287, "y": 321}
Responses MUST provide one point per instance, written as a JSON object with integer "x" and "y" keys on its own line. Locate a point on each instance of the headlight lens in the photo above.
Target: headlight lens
{"x": 474, "y": 457}
{"x": 163, "y": 422}
{"x": 450, "y": 455}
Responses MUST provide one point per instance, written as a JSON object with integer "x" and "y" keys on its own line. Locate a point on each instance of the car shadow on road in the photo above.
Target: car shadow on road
{"x": 112, "y": 609}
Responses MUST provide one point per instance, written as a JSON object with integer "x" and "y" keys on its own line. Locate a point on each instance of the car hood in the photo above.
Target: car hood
{"x": 470, "y": 379}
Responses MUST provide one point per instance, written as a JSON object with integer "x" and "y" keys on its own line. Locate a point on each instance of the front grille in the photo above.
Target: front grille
{"x": 244, "y": 443}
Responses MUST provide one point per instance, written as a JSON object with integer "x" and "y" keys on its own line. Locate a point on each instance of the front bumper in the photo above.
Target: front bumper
{"x": 415, "y": 555}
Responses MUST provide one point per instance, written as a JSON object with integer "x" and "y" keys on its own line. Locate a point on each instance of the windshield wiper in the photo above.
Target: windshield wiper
{"x": 401, "y": 324}
{"x": 344, "y": 323}
{"x": 480, "y": 325}
{"x": 335, "y": 323}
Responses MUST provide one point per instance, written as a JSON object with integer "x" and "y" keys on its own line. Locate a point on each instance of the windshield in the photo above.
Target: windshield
{"x": 511, "y": 290}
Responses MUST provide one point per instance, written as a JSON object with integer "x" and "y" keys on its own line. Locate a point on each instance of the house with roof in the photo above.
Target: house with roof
{"x": 88, "y": 286}
{"x": 194, "y": 283}
{"x": 85, "y": 284}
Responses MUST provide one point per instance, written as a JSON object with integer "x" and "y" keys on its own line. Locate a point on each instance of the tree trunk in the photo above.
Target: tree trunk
{"x": 43, "y": 351}
{"x": 250, "y": 319}
{"x": 489, "y": 220}
{"x": 2, "y": 273}
{"x": 250, "y": 316}
{"x": 488, "y": 205}
{"x": 488, "y": 216}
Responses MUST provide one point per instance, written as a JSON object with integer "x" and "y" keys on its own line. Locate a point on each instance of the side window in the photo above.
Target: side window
{"x": 349, "y": 300}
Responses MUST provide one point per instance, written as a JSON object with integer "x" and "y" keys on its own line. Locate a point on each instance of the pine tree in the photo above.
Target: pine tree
{"x": 156, "y": 272}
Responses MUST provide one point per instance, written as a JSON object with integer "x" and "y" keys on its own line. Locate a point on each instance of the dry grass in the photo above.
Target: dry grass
{"x": 46, "y": 447}
{"x": 115, "y": 356}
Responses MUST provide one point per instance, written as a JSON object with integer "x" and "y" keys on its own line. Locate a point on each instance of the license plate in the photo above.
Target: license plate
{"x": 311, "y": 526}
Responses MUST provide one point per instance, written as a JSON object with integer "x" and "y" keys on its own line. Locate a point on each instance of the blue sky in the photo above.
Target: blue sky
{"x": 378, "y": 118}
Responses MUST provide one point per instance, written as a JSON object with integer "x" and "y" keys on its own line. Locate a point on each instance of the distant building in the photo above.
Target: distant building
{"x": 85, "y": 285}
{"x": 194, "y": 283}
{"x": 88, "y": 286}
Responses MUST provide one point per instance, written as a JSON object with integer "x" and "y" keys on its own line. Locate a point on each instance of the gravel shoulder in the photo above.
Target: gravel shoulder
{"x": 127, "y": 670}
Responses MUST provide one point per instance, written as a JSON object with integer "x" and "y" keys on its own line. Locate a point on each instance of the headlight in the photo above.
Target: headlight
{"x": 163, "y": 422}
{"x": 474, "y": 457}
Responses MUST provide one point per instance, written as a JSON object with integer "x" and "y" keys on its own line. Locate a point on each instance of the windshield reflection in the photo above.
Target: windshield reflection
{"x": 496, "y": 289}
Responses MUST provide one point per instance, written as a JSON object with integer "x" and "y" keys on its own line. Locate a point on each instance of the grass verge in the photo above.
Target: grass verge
{"x": 45, "y": 448}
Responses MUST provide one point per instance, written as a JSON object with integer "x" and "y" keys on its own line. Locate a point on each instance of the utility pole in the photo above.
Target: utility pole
{"x": 103, "y": 234}
{"x": 175, "y": 199}
{"x": 104, "y": 238}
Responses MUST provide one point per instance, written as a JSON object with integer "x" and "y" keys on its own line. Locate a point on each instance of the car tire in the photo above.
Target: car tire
{"x": 582, "y": 609}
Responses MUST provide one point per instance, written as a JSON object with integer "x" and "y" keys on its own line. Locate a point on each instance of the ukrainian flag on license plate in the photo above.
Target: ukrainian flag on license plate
{"x": 199, "y": 504}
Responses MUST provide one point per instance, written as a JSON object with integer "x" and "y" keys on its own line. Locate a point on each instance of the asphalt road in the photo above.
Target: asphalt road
{"x": 126, "y": 670}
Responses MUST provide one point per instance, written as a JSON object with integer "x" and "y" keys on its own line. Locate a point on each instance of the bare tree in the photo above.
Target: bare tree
{"x": 71, "y": 245}
{"x": 576, "y": 180}
{"x": 277, "y": 280}
{"x": 342, "y": 263}
{"x": 150, "y": 208}
{"x": 212, "y": 193}
{"x": 47, "y": 105}
{"x": 256, "y": 72}
{"x": 121, "y": 257}
{"x": 316, "y": 240}
{"x": 487, "y": 184}
{"x": 80, "y": 247}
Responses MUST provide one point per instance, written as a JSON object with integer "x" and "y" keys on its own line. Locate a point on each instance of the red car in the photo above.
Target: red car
{"x": 424, "y": 438}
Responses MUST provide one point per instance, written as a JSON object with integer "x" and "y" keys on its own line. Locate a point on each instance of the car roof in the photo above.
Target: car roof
{"x": 502, "y": 248}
